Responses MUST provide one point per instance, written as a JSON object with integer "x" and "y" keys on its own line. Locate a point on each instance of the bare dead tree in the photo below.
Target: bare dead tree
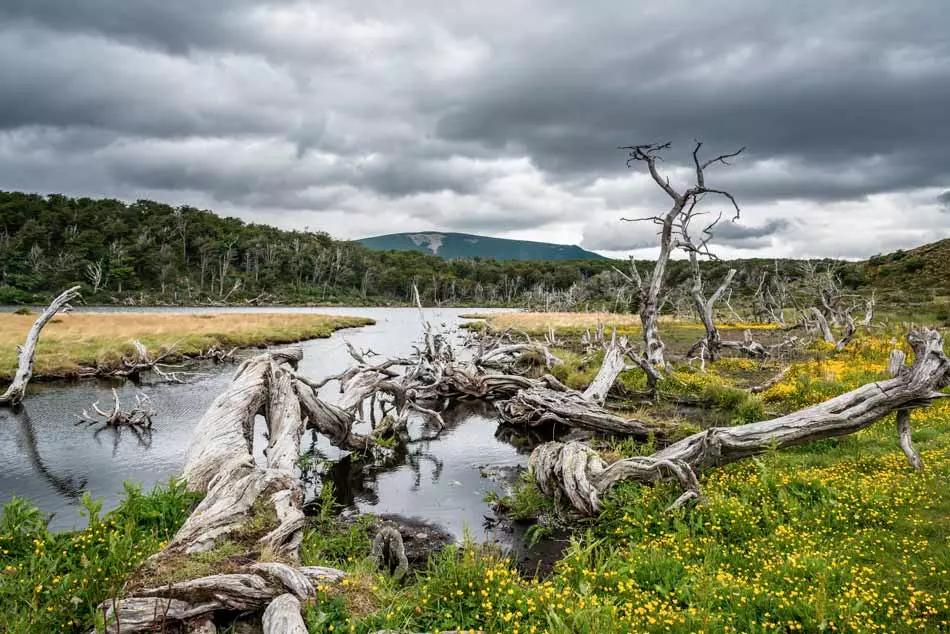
{"x": 649, "y": 290}
{"x": 94, "y": 275}
{"x": 17, "y": 389}
{"x": 712, "y": 341}
{"x": 777, "y": 296}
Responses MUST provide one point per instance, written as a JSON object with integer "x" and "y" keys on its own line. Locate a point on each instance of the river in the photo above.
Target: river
{"x": 50, "y": 461}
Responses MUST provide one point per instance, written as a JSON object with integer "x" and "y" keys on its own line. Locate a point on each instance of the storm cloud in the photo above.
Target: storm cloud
{"x": 363, "y": 117}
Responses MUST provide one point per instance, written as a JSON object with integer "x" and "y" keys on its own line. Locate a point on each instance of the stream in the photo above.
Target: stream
{"x": 50, "y": 461}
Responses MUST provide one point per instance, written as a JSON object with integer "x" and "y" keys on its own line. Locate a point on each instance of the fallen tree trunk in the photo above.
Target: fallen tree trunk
{"x": 258, "y": 509}
{"x": 546, "y": 401}
{"x": 577, "y": 472}
{"x": 15, "y": 392}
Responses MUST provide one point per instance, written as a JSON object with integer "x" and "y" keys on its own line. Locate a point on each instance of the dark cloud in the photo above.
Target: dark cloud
{"x": 748, "y": 237}
{"x": 494, "y": 117}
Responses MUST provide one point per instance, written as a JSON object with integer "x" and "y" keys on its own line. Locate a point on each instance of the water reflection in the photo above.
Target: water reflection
{"x": 437, "y": 480}
{"x": 69, "y": 486}
{"x": 51, "y": 462}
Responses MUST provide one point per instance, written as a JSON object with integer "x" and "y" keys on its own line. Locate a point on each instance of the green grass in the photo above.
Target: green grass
{"x": 839, "y": 535}
{"x": 53, "y": 582}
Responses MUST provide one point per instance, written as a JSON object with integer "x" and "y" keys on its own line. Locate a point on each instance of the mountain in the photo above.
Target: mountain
{"x": 451, "y": 246}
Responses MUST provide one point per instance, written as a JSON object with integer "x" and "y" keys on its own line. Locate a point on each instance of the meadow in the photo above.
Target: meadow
{"x": 839, "y": 535}
{"x": 74, "y": 341}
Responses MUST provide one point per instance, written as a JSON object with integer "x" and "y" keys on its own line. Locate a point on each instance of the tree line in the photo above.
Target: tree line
{"x": 148, "y": 252}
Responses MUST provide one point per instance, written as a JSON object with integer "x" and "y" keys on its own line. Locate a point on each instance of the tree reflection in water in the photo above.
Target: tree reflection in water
{"x": 67, "y": 485}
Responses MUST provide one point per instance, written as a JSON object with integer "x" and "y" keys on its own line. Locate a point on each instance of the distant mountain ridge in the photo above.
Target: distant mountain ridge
{"x": 451, "y": 246}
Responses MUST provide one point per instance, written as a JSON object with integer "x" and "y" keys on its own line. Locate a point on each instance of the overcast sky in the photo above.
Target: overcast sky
{"x": 495, "y": 117}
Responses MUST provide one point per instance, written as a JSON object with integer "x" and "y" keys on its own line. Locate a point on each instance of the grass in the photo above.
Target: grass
{"x": 53, "y": 582}
{"x": 72, "y": 341}
{"x": 836, "y": 536}
{"x": 568, "y": 323}
{"x": 839, "y": 535}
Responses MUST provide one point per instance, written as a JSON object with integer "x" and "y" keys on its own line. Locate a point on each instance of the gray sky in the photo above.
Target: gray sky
{"x": 366, "y": 117}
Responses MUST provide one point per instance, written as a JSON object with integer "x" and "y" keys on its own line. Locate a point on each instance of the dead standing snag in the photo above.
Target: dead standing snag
{"x": 17, "y": 389}
{"x": 650, "y": 290}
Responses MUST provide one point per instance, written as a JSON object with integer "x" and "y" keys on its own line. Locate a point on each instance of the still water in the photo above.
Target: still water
{"x": 50, "y": 461}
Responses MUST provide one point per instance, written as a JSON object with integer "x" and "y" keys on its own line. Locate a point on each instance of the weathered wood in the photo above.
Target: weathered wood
{"x": 331, "y": 421}
{"x": 220, "y": 463}
{"x": 282, "y": 616}
{"x": 293, "y": 579}
{"x": 895, "y": 365}
{"x": 541, "y": 405}
{"x": 140, "y": 415}
{"x": 27, "y": 352}
{"x": 151, "y": 614}
{"x": 758, "y": 389}
{"x": 610, "y": 369}
{"x": 748, "y": 346}
{"x": 583, "y": 478}
{"x": 389, "y": 552}
{"x": 822, "y": 325}
{"x": 670, "y": 223}
{"x": 224, "y": 433}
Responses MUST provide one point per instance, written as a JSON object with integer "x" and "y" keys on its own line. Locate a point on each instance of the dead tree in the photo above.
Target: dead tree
{"x": 220, "y": 463}
{"x": 704, "y": 307}
{"x": 140, "y": 415}
{"x": 575, "y": 471}
{"x": 15, "y": 392}
{"x": 649, "y": 290}
{"x": 94, "y": 275}
{"x": 894, "y": 368}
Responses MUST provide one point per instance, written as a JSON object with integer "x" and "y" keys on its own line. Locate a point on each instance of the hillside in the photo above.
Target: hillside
{"x": 450, "y": 246}
{"x": 921, "y": 271}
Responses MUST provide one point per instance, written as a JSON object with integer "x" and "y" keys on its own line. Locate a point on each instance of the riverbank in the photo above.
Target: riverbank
{"x": 74, "y": 342}
{"x": 838, "y": 535}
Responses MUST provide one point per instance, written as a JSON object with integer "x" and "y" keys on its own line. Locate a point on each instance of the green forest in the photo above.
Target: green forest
{"x": 152, "y": 253}
{"x": 149, "y": 253}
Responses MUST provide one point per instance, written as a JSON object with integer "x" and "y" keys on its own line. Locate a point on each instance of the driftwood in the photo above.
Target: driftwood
{"x": 220, "y": 463}
{"x": 748, "y": 346}
{"x": 17, "y": 389}
{"x": 139, "y": 416}
{"x": 546, "y": 401}
{"x": 758, "y": 389}
{"x": 574, "y": 471}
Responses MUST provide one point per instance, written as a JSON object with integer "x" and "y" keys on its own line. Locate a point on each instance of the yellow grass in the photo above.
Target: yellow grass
{"x": 100, "y": 339}
{"x": 540, "y": 322}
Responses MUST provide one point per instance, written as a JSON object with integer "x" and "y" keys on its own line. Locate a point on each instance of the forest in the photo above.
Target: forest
{"x": 149, "y": 253}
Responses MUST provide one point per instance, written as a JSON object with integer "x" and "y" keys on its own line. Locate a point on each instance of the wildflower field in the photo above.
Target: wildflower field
{"x": 839, "y": 535}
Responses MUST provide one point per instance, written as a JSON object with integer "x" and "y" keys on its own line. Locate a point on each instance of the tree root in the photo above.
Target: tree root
{"x": 577, "y": 472}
